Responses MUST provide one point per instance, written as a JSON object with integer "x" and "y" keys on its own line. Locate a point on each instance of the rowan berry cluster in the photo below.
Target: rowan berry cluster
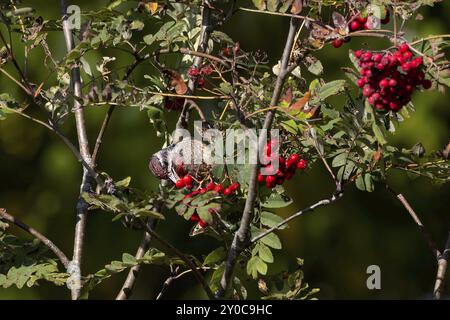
{"x": 188, "y": 182}
{"x": 359, "y": 23}
{"x": 199, "y": 74}
{"x": 286, "y": 168}
{"x": 389, "y": 79}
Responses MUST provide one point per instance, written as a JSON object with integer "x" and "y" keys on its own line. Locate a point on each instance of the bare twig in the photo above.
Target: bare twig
{"x": 430, "y": 242}
{"x": 83, "y": 142}
{"x": 441, "y": 270}
{"x": 202, "y": 46}
{"x": 61, "y": 256}
{"x": 182, "y": 256}
{"x": 128, "y": 285}
{"x": 242, "y": 235}
{"x": 173, "y": 277}
{"x": 336, "y": 196}
{"x": 441, "y": 257}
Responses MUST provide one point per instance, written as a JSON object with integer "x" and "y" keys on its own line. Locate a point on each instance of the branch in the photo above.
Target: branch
{"x": 441, "y": 258}
{"x": 182, "y": 256}
{"x": 83, "y": 142}
{"x": 173, "y": 277}
{"x": 128, "y": 285}
{"x": 61, "y": 256}
{"x": 442, "y": 268}
{"x": 335, "y": 197}
{"x": 430, "y": 242}
{"x": 202, "y": 46}
{"x": 242, "y": 235}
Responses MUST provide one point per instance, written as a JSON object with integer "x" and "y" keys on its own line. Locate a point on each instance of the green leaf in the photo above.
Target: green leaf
{"x": 215, "y": 256}
{"x": 272, "y": 241}
{"x": 272, "y": 5}
{"x": 378, "y": 133}
{"x": 340, "y": 160}
{"x": 265, "y": 253}
{"x": 255, "y": 265}
{"x": 316, "y": 68}
{"x": 260, "y": 4}
{"x": 270, "y": 219}
{"x": 276, "y": 201}
{"x": 145, "y": 213}
{"x": 368, "y": 181}
{"x": 124, "y": 183}
{"x": 331, "y": 88}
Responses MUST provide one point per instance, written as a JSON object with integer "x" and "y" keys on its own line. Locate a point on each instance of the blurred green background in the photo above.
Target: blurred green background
{"x": 39, "y": 183}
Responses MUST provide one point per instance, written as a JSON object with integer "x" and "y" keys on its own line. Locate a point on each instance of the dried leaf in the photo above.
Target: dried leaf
{"x": 175, "y": 81}
{"x": 297, "y": 7}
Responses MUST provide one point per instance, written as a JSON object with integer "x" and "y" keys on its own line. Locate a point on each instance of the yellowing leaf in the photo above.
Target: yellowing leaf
{"x": 152, "y": 7}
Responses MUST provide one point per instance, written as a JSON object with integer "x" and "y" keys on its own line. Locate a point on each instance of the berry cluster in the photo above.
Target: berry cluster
{"x": 389, "y": 79}
{"x": 198, "y": 74}
{"x": 359, "y": 23}
{"x": 187, "y": 182}
{"x": 286, "y": 168}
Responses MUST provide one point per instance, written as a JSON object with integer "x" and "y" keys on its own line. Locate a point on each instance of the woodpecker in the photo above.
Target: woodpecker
{"x": 189, "y": 156}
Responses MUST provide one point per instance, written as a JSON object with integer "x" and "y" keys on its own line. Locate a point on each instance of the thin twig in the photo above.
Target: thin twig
{"x": 441, "y": 270}
{"x": 173, "y": 277}
{"x": 182, "y": 256}
{"x": 83, "y": 142}
{"x": 58, "y": 252}
{"x": 242, "y": 235}
{"x": 430, "y": 242}
{"x": 205, "y": 31}
{"x": 336, "y": 196}
{"x": 128, "y": 285}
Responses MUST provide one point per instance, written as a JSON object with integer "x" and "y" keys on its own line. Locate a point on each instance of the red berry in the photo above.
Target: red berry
{"x": 392, "y": 83}
{"x": 417, "y": 62}
{"x": 206, "y": 70}
{"x": 202, "y": 224}
{"x": 282, "y": 162}
{"x": 362, "y": 20}
{"x": 426, "y": 84}
{"x": 367, "y": 91}
{"x": 200, "y": 82}
{"x": 234, "y": 186}
{"x": 195, "y": 217}
{"x": 193, "y": 72}
{"x": 203, "y": 190}
{"x": 387, "y": 18}
{"x": 270, "y": 181}
{"x": 210, "y": 186}
{"x": 227, "y": 191}
{"x": 404, "y": 47}
{"x": 302, "y": 164}
{"x": 366, "y": 56}
{"x": 218, "y": 188}
{"x": 260, "y": 178}
{"x": 187, "y": 180}
{"x": 337, "y": 43}
{"x": 407, "y": 55}
{"x": 361, "y": 82}
{"x": 288, "y": 175}
{"x": 358, "y": 53}
{"x": 280, "y": 180}
{"x": 294, "y": 157}
{"x": 384, "y": 83}
{"x": 180, "y": 184}
{"x": 377, "y": 57}
{"x": 355, "y": 25}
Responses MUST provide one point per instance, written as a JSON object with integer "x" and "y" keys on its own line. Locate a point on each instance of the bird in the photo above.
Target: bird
{"x": 188, "y": 156}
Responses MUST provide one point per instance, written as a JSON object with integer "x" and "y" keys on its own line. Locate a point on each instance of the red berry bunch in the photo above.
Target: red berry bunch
{"x": 389, "y": 79}
{"x": 359, "y": 23}
{"x": 198, "y": 74}
{"x": 286, "y": 168}
{"x": 187, "y": 181}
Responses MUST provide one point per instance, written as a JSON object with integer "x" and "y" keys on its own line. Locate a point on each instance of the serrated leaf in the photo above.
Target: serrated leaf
{"x": 215, "y": 256}
{"x": 270, "y": 219}
{"x": 265, "y": 253}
